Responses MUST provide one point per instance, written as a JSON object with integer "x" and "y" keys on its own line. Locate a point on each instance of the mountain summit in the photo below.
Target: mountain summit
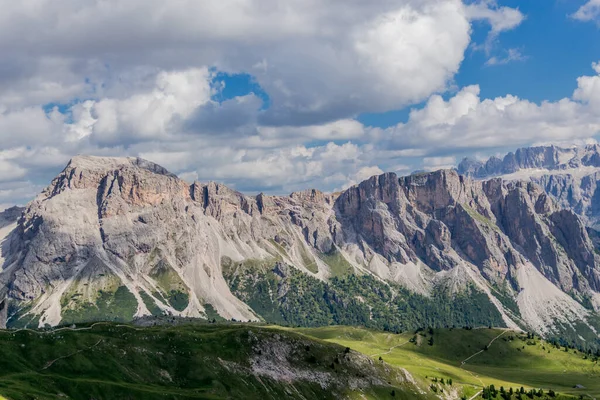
{"x": 120, "y": 238}
{"x": 568, "y": 174}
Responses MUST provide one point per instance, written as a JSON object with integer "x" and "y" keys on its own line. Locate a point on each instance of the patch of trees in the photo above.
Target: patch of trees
{"x": 300, "y": 300}
{"x": 490, "y": 392}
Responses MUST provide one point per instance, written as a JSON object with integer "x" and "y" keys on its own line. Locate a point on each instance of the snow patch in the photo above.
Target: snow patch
{"x": 566, "y": 155}
{"x": 531, "y": 173}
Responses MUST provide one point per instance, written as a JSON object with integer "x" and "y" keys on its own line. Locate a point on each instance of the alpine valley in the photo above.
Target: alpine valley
{"x": 507, "y": 242}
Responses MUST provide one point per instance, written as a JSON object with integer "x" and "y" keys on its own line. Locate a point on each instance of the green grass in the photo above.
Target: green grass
{"x": 234, "y": 269}
{"x": 119, "y": 305}
{"x": 172, "y": 287}
{"x": 200, "y": 361}
{"x": 150, "y": 304}
{"x": 501, "y": 293}
{"x": 211, "y": 313}
{"x": 338, "y": 265}
{"x": 479, "y": 217}
{"x": 18, "y": 317}
{"x": 215, "y": 361}
{"x": 508, "y": 363}
{"x": 308, "y": 260}
{"x": 253, "y": 282}
{"x": 286, "y": 296}
{"x": 281, "y": 251}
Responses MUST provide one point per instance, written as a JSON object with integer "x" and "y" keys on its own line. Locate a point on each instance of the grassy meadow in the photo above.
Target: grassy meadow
{"x": 512, "y": 360}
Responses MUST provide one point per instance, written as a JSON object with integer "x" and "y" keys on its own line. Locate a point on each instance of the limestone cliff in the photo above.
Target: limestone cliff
{"x": 119, "y": 238}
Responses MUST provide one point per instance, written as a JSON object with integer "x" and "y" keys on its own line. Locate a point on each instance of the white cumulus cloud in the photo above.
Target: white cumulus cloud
{"x": 115, "y": 78}
{"x": 465, "y": 121}
{"x": 590, "y": 11}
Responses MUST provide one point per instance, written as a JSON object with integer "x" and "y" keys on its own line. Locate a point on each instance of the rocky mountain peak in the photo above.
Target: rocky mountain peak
{"x": 106, "y": 164}
{"x": 314, "y": 196}
{"x": 127, "y": 228}
{"x": 568, "y": 174}
{"x": 88, "y": 172}
{"x": 10, "y": 215}
{"x": 436, "y": 189}
{"x": 551, "y": 158}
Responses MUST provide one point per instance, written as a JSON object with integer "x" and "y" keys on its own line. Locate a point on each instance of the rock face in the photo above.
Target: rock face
{"x": 8, "y": 222}
{"x": 569, "y": 175}
{"x": 123, "y": 238}
{"x": 542, "y": 157}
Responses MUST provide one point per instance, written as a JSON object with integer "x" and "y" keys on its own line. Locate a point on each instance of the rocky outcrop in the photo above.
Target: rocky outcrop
{"x": 569, "y": 175}
{"x": 443, "y": 220}
{"x": 123, "y": 238}
{"x": 541, "y": 157}
{"x": 8, "y": 221}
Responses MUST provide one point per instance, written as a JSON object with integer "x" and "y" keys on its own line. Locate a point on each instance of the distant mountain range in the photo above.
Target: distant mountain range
{"x": 506, "y": 242}
{"x": 569, "y": 175}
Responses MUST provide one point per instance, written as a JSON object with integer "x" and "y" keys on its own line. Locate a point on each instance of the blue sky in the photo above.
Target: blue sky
{"x": 278, "y": 97}
{"x": 556, "y": 49}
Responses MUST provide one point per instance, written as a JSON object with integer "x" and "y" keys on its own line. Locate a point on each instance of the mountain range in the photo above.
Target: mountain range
{"x": 507, "y": 242}
{"x": 569, "y": 175}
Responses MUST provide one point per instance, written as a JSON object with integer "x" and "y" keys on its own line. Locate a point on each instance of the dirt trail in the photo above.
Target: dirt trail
{"x": 390, "y": 350}
{"x": 475, "y": 395}
{"x": 473, "y": 355}
{"x": 481, "y": 351}
{"x": 68, "y": 328}
{"x": 50, "y": 363}
{"x": 475, "y": 376}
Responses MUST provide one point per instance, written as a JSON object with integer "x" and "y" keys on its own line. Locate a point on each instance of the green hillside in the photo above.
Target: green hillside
{"x": 201, "y": 361}
{"x": 512, "y": 360}
{"x": 231, "y": 361}
{"x": 283, "y": 295}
